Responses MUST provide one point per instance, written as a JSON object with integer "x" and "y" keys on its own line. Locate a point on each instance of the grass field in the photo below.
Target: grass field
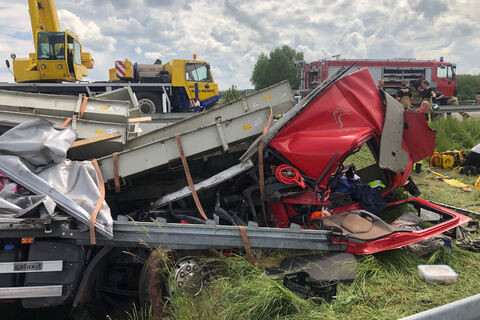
{"x": 387, "y": 285}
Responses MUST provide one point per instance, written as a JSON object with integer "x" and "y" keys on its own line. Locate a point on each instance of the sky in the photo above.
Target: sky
{"x": 230, "y": 34}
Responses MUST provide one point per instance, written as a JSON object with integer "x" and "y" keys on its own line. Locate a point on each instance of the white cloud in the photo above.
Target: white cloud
{"x": 122, "y": 27}
{"x": 153, "y": 55}
{"x": 230, "y": 34}
{"x": 87, "y": 30}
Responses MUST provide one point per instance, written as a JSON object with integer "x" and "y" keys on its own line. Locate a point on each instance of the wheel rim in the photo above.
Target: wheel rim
{"x": 188, "y": 275}
{"x": 147, "y": 106}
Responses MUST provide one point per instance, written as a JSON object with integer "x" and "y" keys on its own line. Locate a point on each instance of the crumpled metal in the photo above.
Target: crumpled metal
{"x": 33, "y": 154}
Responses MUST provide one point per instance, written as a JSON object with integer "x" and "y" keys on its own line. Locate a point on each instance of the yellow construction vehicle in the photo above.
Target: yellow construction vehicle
{"x": 192, "y": 86}
{"x": 177, "y": 86}
{"x": 58, "y": 54}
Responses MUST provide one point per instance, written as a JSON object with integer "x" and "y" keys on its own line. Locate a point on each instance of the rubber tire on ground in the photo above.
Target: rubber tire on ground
{"x": 149, "y": 102}
{"x": 153, "y": 280}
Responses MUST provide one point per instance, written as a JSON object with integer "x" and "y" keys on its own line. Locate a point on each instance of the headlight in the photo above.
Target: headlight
{"x": 60, "y": 66}
{"x": 43, "y": 66}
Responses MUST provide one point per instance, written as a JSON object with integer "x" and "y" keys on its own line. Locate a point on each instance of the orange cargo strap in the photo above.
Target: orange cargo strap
{"x": 67, "y": 121}
{"x": 260, "y": 165}
{"x": 189, "y": 177}
{"x": 82, "y": 108}
{"x": 82, "y": 111}
{"x": 246, "y": 244}
{"x": 100, "y": 200}
{"x": 116, "y": 178}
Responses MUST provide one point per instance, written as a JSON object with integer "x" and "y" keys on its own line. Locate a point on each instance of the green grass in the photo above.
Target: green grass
{"x": 434, "y": 189}
{"x": 387, "y": 287}
{"x": 456, "y": 134}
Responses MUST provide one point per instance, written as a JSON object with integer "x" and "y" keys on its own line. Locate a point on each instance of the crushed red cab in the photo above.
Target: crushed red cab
{"x": 352, "y": 145}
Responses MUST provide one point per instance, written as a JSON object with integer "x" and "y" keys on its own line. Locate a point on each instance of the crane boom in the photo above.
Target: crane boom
{"x": 43, "y": 17}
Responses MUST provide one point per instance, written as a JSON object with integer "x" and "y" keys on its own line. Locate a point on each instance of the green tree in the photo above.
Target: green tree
{"x": 231, "y": 94}
{"x": 467, "y": 86}
{"x": 276, "y": 67}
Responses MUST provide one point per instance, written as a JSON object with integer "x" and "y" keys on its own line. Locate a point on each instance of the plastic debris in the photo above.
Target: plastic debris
{"x": 439, "y": 273}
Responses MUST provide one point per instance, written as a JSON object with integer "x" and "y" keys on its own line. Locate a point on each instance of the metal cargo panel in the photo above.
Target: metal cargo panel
{"x": 226, "y": 130}
{"x": 279, "y": 95}
{"x": 64, "y": 106}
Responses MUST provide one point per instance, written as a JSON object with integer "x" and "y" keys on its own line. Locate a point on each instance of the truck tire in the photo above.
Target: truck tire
{"x": 152, "y": 288}
{"x": 149, "y": 102}
{"x": 154, "y": 280}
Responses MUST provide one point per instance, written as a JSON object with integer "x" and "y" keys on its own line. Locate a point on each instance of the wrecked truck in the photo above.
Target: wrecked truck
{"x": 244, "y": 182}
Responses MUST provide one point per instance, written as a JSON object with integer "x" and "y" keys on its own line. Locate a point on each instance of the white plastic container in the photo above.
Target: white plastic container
{"x": 440, "y": 273}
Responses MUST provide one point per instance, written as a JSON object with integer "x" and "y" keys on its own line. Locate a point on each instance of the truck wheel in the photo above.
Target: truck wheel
{"x": 152, "y": 288}
{"x": 164, "y": 272}
{"x": 149, "y": 102}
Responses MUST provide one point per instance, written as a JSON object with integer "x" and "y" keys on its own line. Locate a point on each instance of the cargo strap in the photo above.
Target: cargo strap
{"x": 82, "y": 108}
{"x": 82, "y": 111}
{"x": 116, "y": 178}
{"x": 189, "y": 177}
{"x": 67, "y": 121}
{"x": 261, "y": 176}
{"x": 246, "y": 244}
{"x": 99, "y": 204}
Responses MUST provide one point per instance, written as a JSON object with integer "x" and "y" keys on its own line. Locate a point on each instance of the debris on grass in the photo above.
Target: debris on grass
{"x": 438, "y": 273}
{"x": 387, "y": 286}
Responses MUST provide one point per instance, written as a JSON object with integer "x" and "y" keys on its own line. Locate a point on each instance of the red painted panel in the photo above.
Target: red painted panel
{"x": 418, "y": 137}
{"x": 344, "y": 113}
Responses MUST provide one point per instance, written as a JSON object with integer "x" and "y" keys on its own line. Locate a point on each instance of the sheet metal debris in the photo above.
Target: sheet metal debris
{"x": 33, "y": 154}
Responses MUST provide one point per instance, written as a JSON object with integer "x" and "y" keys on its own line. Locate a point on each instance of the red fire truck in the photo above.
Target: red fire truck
{"x": 440, "y": 74}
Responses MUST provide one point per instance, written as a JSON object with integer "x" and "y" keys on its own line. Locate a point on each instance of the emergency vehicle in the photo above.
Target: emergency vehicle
{"x": 440, "y": 74}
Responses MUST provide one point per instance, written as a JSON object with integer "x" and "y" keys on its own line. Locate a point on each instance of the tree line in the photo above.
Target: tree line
{"x": 467, "y": 86}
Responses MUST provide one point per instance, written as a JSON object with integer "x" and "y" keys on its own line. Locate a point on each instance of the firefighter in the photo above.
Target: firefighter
{"x": 444, "y": 100}
{"x": 404, "y": 95}
{"x": 380, "y": 85}
{"x": 416, "y": 88}
{"x": 427, "y": 93}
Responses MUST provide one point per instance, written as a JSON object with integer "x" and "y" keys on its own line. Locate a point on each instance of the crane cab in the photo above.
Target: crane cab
{"x": 58, "y": 58}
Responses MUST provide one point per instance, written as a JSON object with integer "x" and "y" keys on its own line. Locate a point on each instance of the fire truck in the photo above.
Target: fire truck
{"x": 440, "y": 74}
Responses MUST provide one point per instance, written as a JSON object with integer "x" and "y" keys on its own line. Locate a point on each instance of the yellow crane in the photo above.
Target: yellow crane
{"x": 58, "y": 54}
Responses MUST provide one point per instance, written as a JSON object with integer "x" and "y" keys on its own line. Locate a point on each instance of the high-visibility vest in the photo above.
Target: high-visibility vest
{"x": 377, "y": 183}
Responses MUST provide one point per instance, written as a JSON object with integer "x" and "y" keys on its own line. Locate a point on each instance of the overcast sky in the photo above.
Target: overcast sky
{"x": 230, "y": 34}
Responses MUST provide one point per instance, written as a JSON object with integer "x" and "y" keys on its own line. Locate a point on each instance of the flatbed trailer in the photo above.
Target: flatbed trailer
{"x": 220, "y": 128}
{"x": 91, "y": 89}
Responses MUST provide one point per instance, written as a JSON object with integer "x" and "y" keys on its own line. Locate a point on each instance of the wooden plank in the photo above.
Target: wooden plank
{"x": 102, "y": 137}
{"x": 141, "y": 119}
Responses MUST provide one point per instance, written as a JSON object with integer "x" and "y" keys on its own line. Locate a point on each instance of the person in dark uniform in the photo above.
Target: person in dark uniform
{"x": 404, "y": 95}
{"x": 416, "y": 88}
{"x": 427, "y": 94}
{"x": 444, "y": 100}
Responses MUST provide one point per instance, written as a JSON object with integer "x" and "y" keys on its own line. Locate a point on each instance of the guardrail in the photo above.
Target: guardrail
{"x": 465, "y": 309}
{"x": 459, "y": 108}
